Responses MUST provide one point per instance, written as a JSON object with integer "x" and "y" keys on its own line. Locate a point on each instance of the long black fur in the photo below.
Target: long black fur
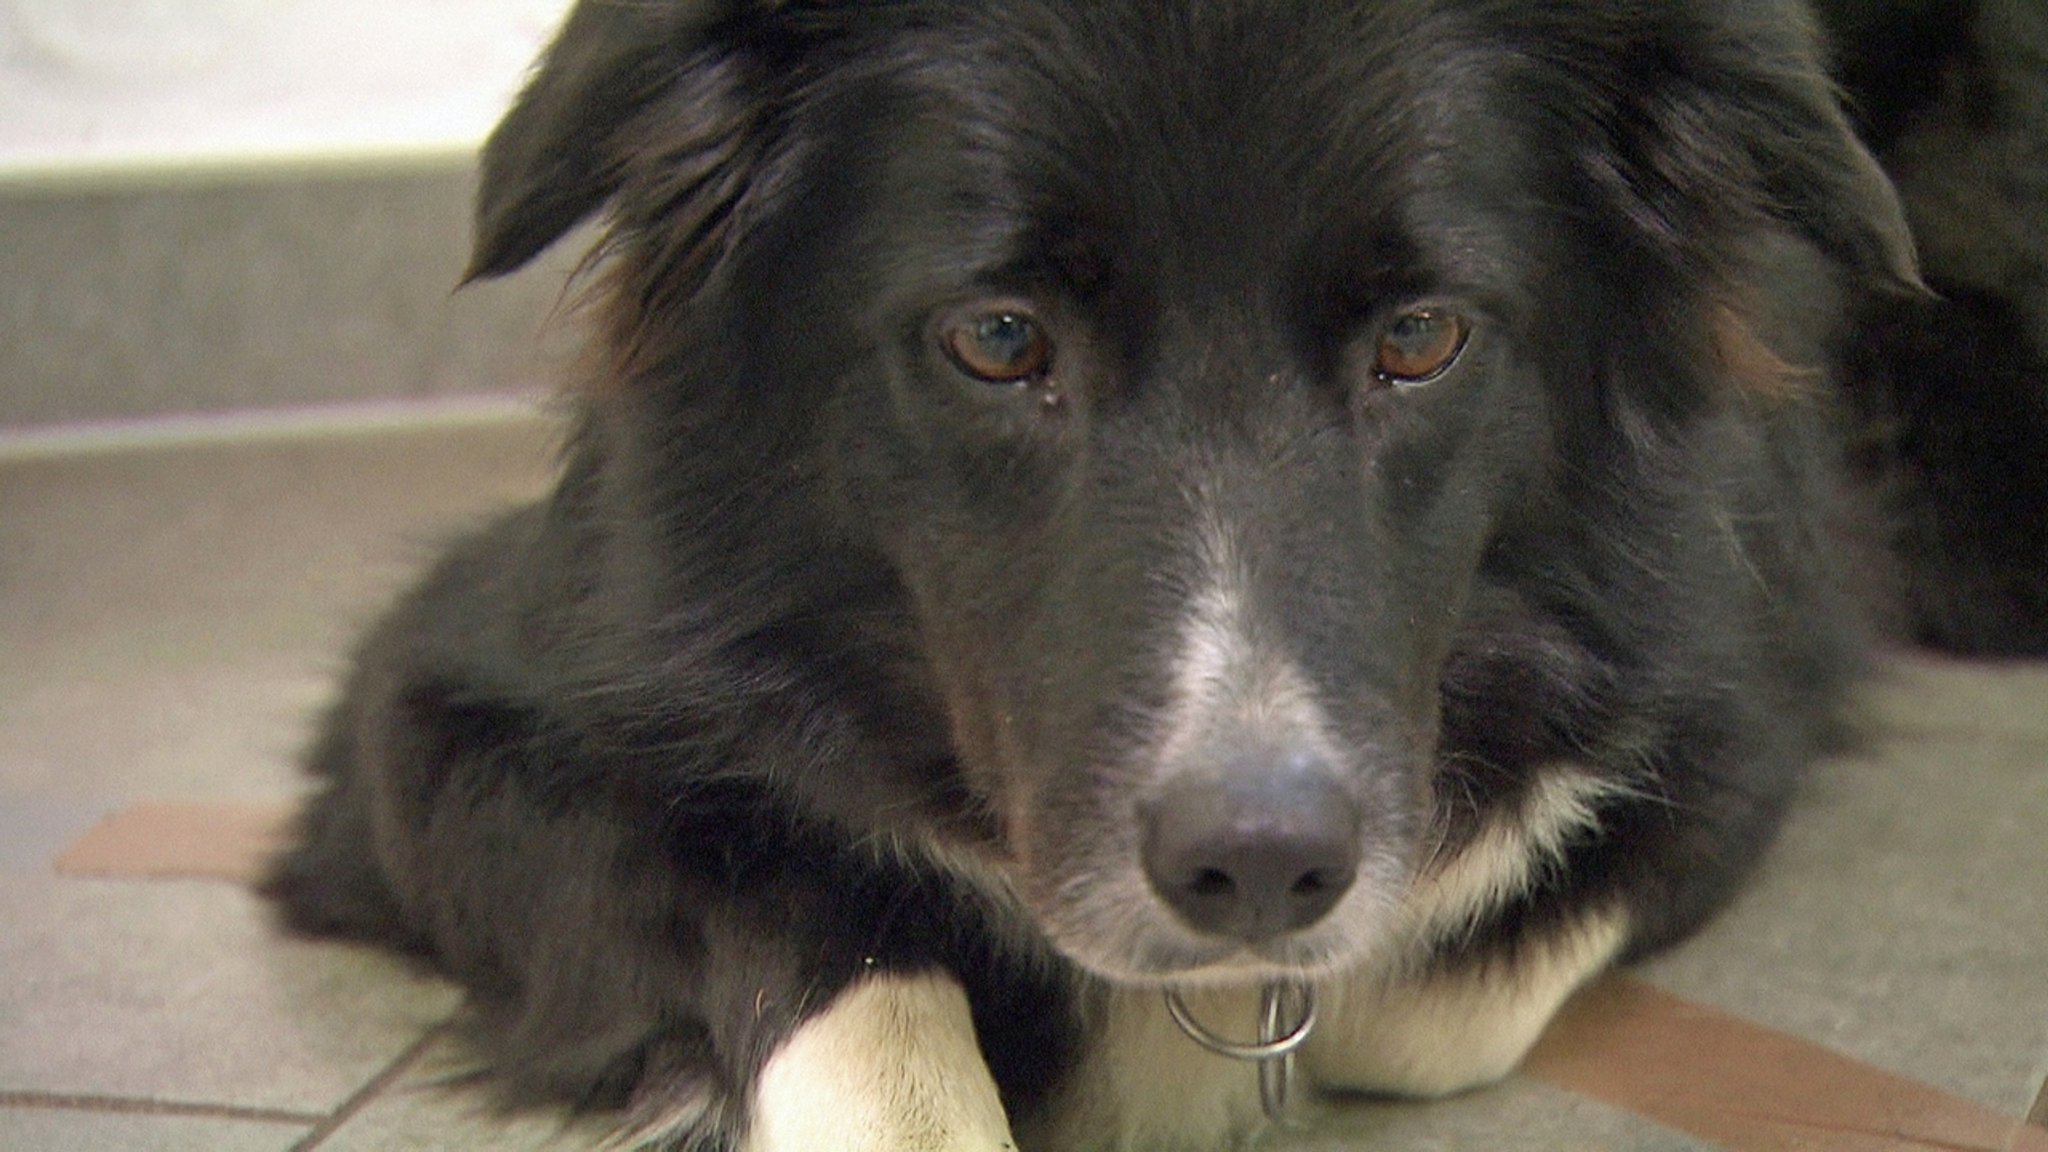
{"x": 1951, "y": 389}
{"x": 658, "y": 766}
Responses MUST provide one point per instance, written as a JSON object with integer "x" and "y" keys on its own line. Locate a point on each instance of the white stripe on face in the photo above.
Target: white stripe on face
{"x": 1225, "y": 676}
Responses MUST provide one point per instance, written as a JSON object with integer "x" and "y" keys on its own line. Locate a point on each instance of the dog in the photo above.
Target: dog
{"x": 1115, "y": 557}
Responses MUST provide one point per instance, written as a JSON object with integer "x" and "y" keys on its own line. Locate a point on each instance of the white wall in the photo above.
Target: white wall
{"x": 125, "y": 85}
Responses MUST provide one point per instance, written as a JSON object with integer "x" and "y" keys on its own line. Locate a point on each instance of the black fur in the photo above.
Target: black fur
{"x": 825, "y": 659}
{"x": 1952, "y": 389}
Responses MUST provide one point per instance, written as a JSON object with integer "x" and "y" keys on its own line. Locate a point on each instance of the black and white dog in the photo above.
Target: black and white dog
{"x": 1089, "y": 515}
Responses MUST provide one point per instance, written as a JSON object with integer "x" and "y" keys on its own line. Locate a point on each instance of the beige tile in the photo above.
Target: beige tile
{"x": 35, "y": 829}
{"x": 1517, "y": 1115}
{"x": 174, "y": 617}
{"x": 1924, "y": 692}
{"x": 180, "y": 991}
{"x": 420, "y": 1113}
{"x": 65, "y": 1130}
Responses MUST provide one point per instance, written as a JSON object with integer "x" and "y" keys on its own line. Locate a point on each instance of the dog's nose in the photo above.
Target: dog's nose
{"x": 1252, "y": 851}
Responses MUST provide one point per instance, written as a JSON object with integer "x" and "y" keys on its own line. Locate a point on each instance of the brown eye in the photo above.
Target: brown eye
{"x": 1002, "y": 347}
{"x": 1420, "y": 345}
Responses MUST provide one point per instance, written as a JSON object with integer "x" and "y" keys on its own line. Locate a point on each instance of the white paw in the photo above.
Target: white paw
{"x": 1446, "y": 1034}
{"x": 891, "y": 1066}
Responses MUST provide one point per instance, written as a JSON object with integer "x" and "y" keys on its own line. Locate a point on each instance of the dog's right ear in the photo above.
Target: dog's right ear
{"x": 557, "y": 156}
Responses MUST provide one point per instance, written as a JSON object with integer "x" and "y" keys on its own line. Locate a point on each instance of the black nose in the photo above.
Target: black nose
{"x": 1252, "y": 850}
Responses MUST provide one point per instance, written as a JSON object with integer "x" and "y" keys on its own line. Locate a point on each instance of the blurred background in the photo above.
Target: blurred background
{"x": 213, "y": 206}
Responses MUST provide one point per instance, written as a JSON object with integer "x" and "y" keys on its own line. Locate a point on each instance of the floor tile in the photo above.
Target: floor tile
{"x": 420, "y": 1113}
{"x": 1903, "y": 918}
{"x": 64, "y": 1130}
{"x": 172, "y": 620}
{"x": 1969, "y": 698}
{"x": 234, "y": 843}
{"x": 34, "y": 829}
{"x": 174, "y": 617}
{"x": 180, "y": 991}
{"x": 1517, "y": 1115}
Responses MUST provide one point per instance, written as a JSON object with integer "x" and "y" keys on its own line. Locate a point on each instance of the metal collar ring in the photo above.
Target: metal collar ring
{"x": 1275, "y": 1048}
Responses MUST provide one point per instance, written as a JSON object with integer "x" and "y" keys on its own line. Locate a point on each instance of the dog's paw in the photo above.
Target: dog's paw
{"x": 891, "y": 1066}
{"x": 1448, "y": 1033}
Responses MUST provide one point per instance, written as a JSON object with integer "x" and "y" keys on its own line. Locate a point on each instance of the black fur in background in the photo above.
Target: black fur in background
{"x": 1952, "y": 95}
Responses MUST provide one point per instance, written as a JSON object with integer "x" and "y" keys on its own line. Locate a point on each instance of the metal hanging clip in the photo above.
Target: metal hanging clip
{"x": 1280, "y": 1001}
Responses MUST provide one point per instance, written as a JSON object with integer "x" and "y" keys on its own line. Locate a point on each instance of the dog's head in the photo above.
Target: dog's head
{"x": 1188, "y": 364}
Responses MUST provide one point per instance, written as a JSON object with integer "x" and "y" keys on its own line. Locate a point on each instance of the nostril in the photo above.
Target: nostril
{"x": 1312, "y": 884}
{"x": 1211, "y": 883}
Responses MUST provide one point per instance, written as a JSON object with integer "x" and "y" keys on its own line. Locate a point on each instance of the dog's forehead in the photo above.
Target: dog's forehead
{"x": 1257, "y": 129}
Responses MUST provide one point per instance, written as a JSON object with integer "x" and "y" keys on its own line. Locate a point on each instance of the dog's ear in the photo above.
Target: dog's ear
{"x": 1825, "y": 183}
{"x": 1722, "y": 127}
{"x": 559, "y": 154}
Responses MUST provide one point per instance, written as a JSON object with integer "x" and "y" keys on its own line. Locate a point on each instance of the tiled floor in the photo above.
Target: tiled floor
{"x": 170, "y": 615}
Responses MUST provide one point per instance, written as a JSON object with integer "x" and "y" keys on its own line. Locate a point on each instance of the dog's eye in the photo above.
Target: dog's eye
{"x": 1420, "y": 345}
{"x": 1003, "y": 347}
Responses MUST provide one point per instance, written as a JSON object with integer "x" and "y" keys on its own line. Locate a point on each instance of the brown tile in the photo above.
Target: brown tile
{"x": 1738, "y": 1085}
{"x": 179, "y": 840}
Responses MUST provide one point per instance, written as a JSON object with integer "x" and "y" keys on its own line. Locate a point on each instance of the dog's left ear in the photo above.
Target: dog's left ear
{"x": 1825, "y": 183}
{"x": 1724, "y": 127}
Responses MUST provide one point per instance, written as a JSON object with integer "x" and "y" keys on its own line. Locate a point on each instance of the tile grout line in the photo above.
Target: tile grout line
{"x": 147, "y": 1106}
{"x": 361, "y": 1098}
